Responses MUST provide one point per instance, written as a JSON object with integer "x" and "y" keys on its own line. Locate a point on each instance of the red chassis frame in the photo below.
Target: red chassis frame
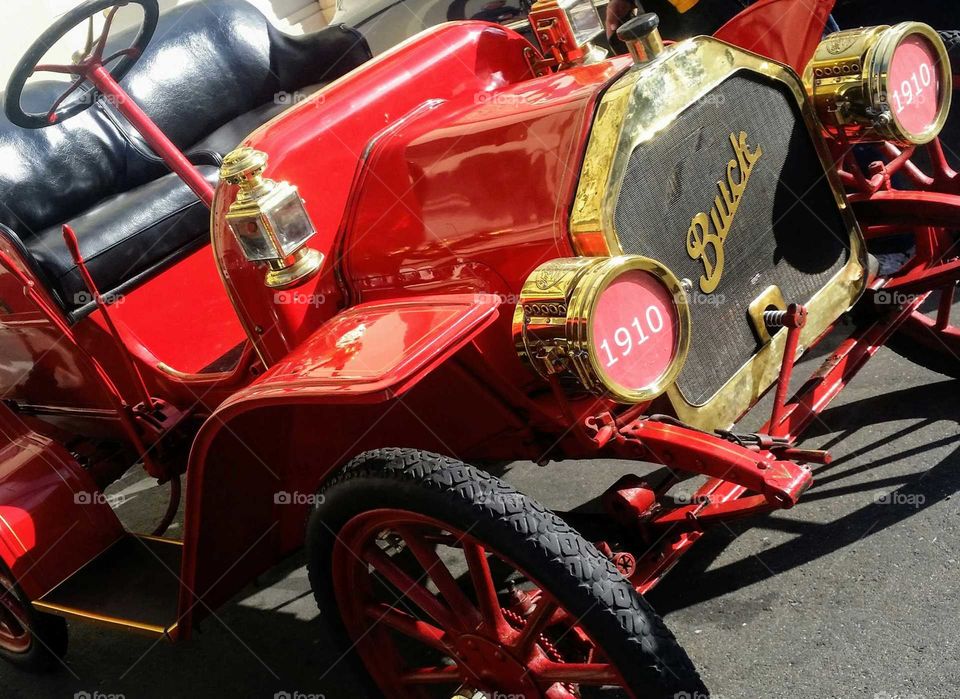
{"x": 443, "y": 327}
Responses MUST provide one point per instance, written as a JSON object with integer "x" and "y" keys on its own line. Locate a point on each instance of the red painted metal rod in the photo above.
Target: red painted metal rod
{"x": 836, "y": 372}
{"x": 794, "y": 321}
{"x": 152, "y": 134}
{"x": 73, "y": 245}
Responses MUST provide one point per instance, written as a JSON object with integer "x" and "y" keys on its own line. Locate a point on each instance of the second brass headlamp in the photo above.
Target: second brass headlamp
{"x": 882, "y": 84}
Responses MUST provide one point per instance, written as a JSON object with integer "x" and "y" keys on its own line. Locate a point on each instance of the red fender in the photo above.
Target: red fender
{"x": 787, "y": 31}
{"x": 302, "y": 419}
{"x": 53, "y": 518}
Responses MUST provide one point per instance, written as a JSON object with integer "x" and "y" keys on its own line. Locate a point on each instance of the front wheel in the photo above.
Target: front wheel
{"x": 449, "y": 582}
{"x": 29, "y": 640}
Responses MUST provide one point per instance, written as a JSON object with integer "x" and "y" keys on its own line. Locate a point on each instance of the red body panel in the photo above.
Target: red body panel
{"x": 372, "y": 351}
{"x": 340, "y": 141}
{"x": 52, "y": 517}
{"x": 160, "y": 329}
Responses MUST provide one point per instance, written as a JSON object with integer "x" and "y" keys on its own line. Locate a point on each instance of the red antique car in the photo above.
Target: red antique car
{"x": 465, "y": 251}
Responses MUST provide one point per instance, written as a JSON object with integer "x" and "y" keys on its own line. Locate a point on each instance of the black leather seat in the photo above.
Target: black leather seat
{"x": 214, "y": 71}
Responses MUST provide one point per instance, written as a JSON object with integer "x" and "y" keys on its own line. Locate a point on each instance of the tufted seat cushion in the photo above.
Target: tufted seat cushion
{"x": 125, "y": 237}
{"x": 214, "y": 71}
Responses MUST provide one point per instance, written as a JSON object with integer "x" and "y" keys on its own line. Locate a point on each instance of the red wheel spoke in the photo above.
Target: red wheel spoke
{"x": 485, "y": 588}
{"x": 548, "y": 672}
{"x": 131, "y": 52}
{"x": 408, "y": 587}
{"x": 102, "y": 40}
{"x": 408, "y": 625}
{"x": 432, "y": 675}
{"x": 51, "y": 115}
{"x": 55, "y": 68}
{"x": 945, "y": 307}
{"x": 536, "y": 623}
{"x": 440, "y": 574}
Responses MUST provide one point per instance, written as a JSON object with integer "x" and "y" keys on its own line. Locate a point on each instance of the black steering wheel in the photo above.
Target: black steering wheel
{"x": 84, "y": 64}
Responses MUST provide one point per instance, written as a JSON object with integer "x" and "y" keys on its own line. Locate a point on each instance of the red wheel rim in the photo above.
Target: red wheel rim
{"x": 15, "y": 634}
{"x": 461, "y": 634}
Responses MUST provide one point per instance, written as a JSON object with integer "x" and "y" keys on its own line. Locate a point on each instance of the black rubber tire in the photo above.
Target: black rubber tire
{"x": 952, "y": 40}
{"x": 524, "y": 532}
{"x": 921, "y": 347}
{"x": 49, "y": 643}
{"x": 939, "y": 363}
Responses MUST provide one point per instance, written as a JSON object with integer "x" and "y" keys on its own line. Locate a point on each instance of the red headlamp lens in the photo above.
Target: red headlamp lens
{"x": 635, "y": 330}
{"x": 914, "y": 84}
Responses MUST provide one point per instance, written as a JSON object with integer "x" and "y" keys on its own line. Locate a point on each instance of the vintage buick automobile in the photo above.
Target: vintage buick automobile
{"x": 328, "y": 289}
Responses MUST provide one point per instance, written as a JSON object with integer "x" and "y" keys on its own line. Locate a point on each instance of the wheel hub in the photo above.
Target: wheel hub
{"x": 488, "y": 666}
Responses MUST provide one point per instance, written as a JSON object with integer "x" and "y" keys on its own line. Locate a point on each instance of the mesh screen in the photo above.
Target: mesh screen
{"x": 787, "y": 231}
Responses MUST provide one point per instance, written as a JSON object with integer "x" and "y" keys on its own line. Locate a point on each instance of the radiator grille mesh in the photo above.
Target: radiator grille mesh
{"x": 788, "y": 230}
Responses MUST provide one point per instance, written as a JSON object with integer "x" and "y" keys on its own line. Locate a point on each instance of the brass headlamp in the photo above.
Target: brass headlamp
{"x": 269, "y": 220}
{"x": 617, "y": 327}
{"x": 882, "y": 84}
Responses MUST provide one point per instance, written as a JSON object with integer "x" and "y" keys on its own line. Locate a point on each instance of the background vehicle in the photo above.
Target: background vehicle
{"x": 464, "y": 251}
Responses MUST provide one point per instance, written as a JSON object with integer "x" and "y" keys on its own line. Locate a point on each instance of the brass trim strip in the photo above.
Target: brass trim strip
{"x": 636, "y": 109}
{"x": 160, "y": 539}
{"x": 115, "y": 622}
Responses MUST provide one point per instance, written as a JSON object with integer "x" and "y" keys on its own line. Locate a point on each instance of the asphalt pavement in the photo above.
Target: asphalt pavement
{"x": 853, "y": 593}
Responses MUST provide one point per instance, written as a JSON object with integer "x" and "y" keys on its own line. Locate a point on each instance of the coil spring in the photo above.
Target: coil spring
{"x": 774, "y": 319}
